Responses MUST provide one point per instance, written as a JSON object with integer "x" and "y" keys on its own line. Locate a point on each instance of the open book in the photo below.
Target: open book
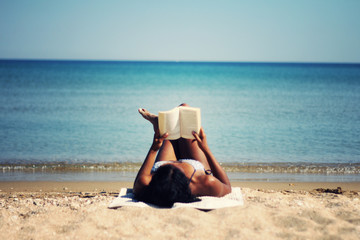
{"x": 180, "y": 122}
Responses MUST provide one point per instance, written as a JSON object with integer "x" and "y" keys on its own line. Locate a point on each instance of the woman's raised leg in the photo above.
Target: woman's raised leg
{"x": 166, "y": 152}
{"x": 176, "y": 149}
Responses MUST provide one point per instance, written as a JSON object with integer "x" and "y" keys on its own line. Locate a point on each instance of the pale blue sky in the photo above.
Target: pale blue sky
{"x": 270, "y": 31}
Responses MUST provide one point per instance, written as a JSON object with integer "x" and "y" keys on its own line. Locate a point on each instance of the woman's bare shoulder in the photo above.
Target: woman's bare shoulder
{"x": 208, "y": 185}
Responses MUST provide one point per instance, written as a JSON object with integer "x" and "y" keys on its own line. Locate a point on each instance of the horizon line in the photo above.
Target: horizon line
{"x": 172, "y": 61}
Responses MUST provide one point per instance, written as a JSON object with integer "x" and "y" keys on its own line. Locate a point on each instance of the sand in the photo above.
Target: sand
{"x": 78, "y": 210}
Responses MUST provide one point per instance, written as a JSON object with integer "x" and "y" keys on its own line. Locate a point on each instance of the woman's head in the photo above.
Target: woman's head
{"x": 168, "y": 185}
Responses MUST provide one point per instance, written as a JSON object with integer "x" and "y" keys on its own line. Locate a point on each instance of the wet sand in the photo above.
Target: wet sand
{"x": 78, "y": 210}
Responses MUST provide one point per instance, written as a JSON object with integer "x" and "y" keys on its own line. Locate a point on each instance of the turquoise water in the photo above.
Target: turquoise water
{"x": 259, "y": 117}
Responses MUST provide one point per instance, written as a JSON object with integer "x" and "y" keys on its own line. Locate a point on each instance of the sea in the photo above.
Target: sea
{"x": 78, "y": 120}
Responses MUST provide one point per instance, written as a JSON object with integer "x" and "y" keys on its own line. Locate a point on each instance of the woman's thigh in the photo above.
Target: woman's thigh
{"x": 166, "y": 152}
{"x": 189, "y": 149}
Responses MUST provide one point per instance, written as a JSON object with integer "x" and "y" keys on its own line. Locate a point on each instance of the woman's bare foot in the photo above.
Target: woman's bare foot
{"x": 150, "y": 117}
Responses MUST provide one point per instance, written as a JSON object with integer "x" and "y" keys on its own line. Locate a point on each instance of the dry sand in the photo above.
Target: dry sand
{"x": 65, "y": 210}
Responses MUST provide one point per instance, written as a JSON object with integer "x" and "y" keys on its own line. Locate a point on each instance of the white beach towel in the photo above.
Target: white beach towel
{"x": 232, "y": 199}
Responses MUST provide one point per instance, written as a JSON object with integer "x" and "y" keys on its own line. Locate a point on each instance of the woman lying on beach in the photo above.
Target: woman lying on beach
{"x": 178, "y": 170}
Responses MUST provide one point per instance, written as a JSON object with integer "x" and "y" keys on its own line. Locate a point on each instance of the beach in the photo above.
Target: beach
{"x": 272, "y": 210}
{"x": 285, "y": 133}
{"x": 277, "y": 95}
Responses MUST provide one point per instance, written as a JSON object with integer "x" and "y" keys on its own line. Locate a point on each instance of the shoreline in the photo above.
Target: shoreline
{"x": 107, "y": 186}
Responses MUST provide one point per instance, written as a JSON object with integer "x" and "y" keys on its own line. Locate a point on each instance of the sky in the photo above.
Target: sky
{"x": 195, "y": 30}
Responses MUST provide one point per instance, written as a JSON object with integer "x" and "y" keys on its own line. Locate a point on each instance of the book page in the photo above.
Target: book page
{"x": 190, "y": 120}
{"x": 169, "y": 122}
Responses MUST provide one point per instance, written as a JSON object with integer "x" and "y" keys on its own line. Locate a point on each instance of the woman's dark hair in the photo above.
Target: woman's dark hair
{"x": 168, "y": 185}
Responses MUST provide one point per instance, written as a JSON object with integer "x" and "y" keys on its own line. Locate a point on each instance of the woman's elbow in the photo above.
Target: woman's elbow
{"x": 140, "y": 183}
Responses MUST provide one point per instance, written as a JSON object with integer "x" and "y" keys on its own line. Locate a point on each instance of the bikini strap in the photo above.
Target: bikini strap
{"x": 192, "y": 176}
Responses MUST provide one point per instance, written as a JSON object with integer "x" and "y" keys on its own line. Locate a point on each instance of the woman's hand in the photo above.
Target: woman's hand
{"x": 201, "y": 140}
{"x": 158, "y": 141}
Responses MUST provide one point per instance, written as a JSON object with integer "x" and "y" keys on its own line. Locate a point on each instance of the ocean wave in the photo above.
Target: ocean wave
{"x": 300, "y": 168}
{"x": 293, "y": 168}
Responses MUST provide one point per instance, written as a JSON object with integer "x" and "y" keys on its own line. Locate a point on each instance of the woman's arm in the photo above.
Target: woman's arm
{"x": 218, "y": 188}
{"x": 144, "y": 176}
